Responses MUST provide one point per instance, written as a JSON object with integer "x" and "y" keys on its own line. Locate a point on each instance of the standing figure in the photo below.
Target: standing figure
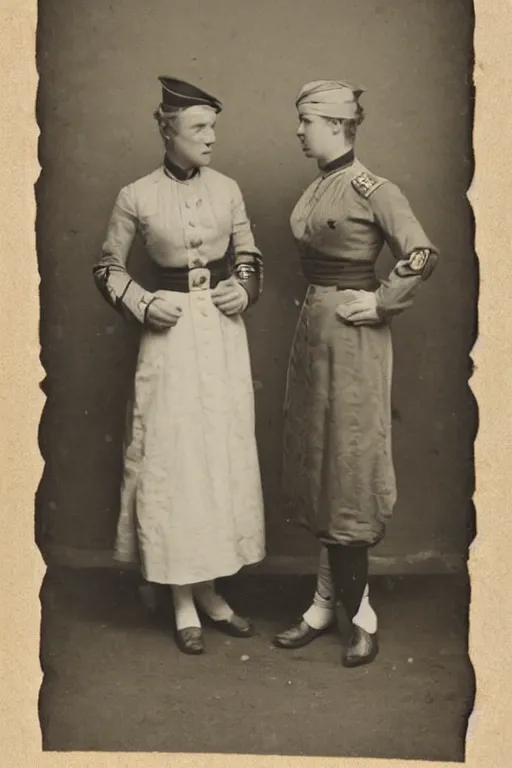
{"x": 339, "y": 478}
{"x": 191, "y": 506}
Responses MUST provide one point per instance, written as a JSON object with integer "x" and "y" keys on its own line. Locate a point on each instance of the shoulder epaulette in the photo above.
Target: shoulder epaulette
{"x": 365, "y": 183}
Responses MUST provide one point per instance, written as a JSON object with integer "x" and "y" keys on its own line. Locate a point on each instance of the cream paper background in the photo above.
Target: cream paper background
{"x": 21, "y": 401}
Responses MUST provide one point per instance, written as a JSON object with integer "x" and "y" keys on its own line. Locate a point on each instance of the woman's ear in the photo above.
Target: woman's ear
{"x": 164, "y": 133}
{"x": 336, "y": 126}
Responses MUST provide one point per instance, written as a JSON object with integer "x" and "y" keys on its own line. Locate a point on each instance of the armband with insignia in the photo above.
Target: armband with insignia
{"x": 249, "y": 273}
{"x": 421, "y": 262}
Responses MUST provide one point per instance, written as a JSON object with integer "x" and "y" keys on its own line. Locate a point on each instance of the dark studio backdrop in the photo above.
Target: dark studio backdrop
{"x": 98, "y": 63}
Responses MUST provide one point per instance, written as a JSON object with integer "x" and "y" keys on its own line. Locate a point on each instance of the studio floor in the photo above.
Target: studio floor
{"x": 115, "y": 681}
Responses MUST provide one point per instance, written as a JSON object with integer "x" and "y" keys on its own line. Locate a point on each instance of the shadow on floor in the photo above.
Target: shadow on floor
{"x": 114, "y": 680}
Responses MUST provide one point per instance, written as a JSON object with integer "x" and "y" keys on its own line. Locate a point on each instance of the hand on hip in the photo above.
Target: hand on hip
{"x": 358, "y": 308}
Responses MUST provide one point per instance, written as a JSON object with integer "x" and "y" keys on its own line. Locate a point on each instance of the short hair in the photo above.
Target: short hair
{"x": 350, "y": 126}
{"x": 167, "y": 120}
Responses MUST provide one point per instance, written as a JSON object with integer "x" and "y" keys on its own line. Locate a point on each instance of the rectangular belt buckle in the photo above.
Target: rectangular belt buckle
{"x": 199, "y": 279}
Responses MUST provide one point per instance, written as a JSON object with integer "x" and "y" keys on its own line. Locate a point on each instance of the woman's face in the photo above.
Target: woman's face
{"x": 316, "y": 135}
{"x": 190, "y": 146}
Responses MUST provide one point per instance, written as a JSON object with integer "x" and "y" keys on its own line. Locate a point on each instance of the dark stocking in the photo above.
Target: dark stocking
{"x": 349, "y": 570}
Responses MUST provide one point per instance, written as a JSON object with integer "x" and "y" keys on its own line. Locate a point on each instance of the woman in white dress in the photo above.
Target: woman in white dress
{"x": 191, "y": 508}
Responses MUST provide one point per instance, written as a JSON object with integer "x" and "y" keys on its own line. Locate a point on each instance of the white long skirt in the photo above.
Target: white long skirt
{"x": 191, "y": 498}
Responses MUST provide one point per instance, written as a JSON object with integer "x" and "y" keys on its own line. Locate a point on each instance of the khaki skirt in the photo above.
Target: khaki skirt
{"x": 338, "y": 474}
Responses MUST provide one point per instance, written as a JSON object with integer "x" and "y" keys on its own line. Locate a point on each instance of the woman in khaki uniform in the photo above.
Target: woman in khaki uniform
{"x": 338, "y": 468}
{"x": 191, "y": 501}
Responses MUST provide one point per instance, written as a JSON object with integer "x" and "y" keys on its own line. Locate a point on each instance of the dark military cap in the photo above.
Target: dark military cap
{"x": 177, "y": 94}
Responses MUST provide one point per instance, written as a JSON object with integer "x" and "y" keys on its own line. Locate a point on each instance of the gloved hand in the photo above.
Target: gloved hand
{"x": 358, "y": 308}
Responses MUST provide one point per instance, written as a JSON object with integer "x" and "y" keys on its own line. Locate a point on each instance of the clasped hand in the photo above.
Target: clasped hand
{"x": 230, "y": 297}
{"x": 164, "y": 311}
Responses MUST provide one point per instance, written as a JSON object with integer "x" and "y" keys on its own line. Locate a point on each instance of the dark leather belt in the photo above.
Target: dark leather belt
{"x": 188, "y": 279}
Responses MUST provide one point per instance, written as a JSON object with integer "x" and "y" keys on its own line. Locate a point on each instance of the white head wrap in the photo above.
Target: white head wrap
{"x": 329, "y": 98}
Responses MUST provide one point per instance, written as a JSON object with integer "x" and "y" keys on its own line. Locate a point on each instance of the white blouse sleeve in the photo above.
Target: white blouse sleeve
{"x": 110, "y": 272}
{"x": 242, "y": 236}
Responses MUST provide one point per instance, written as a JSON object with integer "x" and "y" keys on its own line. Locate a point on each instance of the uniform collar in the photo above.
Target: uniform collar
{"x": 175, "y": 172}
{"x": 339, "y": 163}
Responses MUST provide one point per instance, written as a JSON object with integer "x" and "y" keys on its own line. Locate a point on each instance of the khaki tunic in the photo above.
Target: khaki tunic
{"x": 191, "y": 504}
{"x": 338, "y": 476}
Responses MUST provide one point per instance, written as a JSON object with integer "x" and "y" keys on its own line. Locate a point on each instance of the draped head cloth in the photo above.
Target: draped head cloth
{"x": 329, "y": 98}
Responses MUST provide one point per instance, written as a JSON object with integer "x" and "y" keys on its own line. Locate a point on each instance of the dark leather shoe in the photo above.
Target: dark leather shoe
{"x": 363, "y": 648}
{"x": 297, "y": 636}
{"x": 190, "y": 640}
{"x": 236, "y": 627}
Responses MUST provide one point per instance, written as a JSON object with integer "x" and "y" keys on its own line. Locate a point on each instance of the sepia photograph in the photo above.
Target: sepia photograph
{"x": 258, "y": 304}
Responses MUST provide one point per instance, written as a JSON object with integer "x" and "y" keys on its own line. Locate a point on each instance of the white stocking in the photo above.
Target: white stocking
{"x": 184, "y": 608}
{"x": 211, "y": 602}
